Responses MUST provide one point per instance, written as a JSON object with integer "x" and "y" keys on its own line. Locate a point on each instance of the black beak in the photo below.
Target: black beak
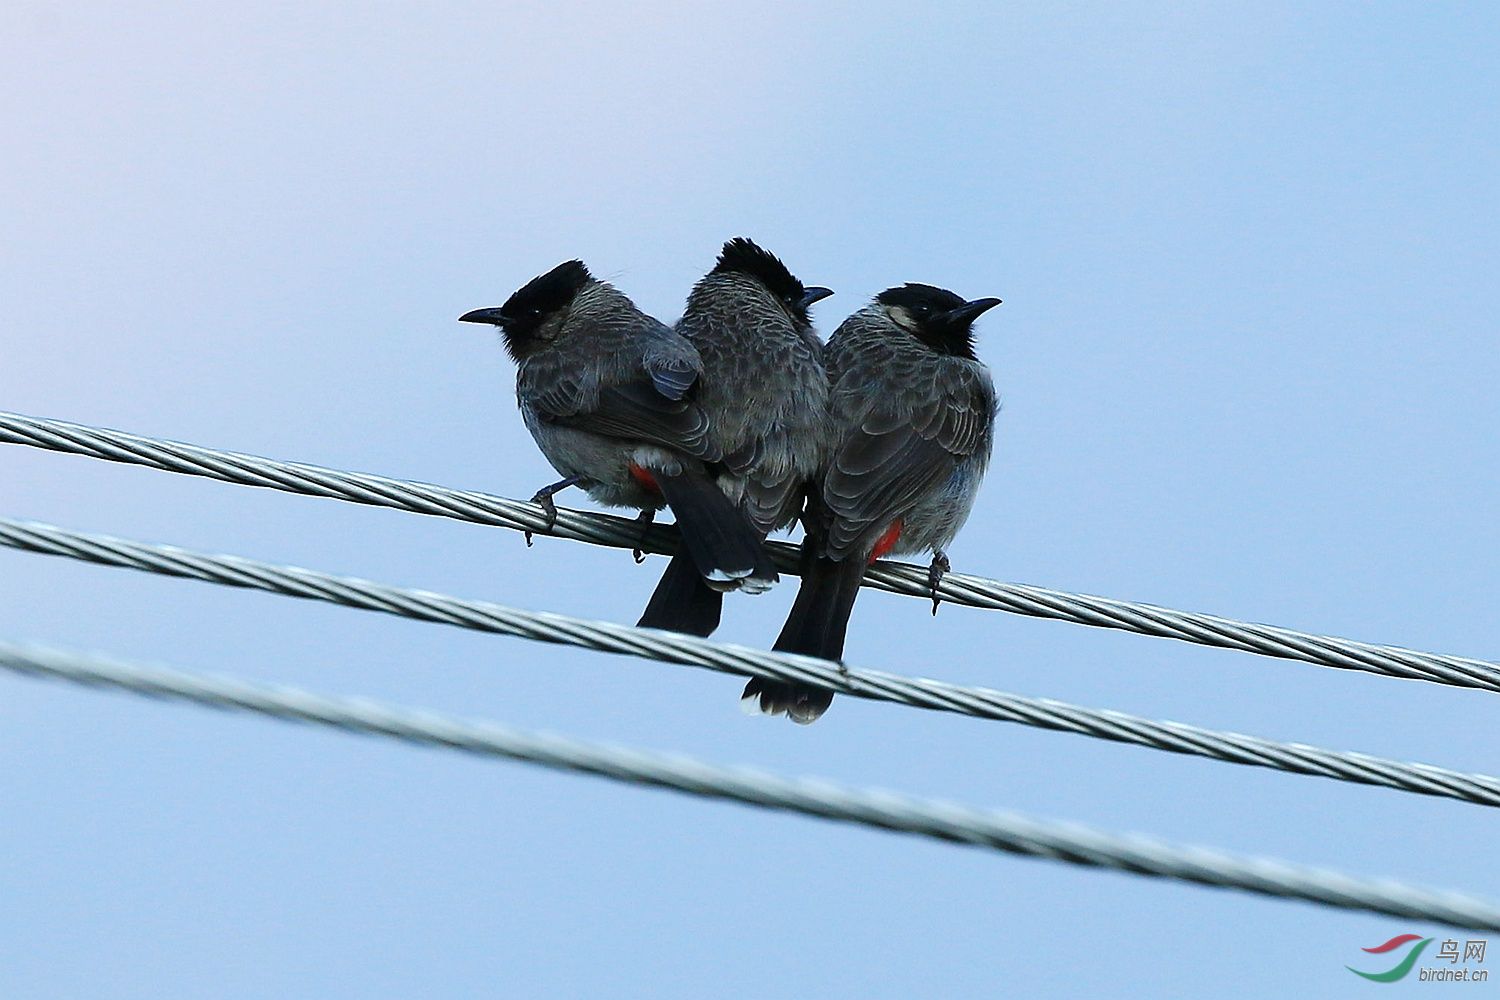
{"x": 491, "y": 316}
{"x": 813, "y": 293}
{"x": 970, "y": 311}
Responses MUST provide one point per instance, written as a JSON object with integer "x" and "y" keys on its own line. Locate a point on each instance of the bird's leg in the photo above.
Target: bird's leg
{"x": 543, "y": 499}
{"x": 644, "y": 519}
{"x": 935, "y": 570}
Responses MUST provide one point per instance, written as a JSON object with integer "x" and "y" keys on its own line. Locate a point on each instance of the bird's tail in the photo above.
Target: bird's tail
{"x": 682, "y": 602}
{"x": 723, "y": 545}
{"x": 815, "y": 627}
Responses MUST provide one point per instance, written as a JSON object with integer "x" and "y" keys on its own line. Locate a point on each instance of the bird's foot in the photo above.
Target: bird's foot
{"x": 543, "y": 499}
{"x": 644, "y": 519}
{"x": 935, "y": 572}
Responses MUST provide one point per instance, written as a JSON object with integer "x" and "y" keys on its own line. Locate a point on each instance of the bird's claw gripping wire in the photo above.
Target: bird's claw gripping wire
{"x": 644, "y": 519}
{"x": 935, "y": 572}
{"x": 543, "y": 499}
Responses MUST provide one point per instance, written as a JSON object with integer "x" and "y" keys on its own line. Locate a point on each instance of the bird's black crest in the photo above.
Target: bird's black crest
{"x": 547, "y": 293}
{"x": 932, "y": 310}
{"x": 742, "y": 255}
{"x": 538, "y": 299}
{"x": 920, "y": 299}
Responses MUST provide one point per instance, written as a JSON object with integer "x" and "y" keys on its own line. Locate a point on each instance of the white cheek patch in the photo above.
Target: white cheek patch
{"x": 902, "y": 317}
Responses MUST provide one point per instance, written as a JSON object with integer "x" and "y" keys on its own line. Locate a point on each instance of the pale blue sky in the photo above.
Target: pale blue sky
{"x": 1248, "y": 362}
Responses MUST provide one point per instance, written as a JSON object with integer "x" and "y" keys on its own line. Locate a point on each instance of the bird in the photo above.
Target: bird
{"x": 766, "y": 397}
{"x": 913, "y": 415}
{"x": 610, "y": 396}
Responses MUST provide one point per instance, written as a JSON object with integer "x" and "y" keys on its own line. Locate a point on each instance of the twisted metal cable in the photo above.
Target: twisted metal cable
{"x": 617, "y": 532}
{"x": 1297, "y": 758}
{"x": 1001, "y": 831}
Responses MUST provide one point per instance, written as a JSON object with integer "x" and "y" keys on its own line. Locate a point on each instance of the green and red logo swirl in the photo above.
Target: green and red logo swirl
{"x": 1401, "y": 968}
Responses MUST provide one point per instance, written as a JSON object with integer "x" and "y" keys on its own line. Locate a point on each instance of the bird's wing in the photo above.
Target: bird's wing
{"x": 672, "y": 376}
{"x": 771, "y": 486}
{"x": 650, "y": 407}
{"x": 902, "y": 446}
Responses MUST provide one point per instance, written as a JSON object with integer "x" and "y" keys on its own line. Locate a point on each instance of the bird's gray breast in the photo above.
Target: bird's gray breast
{"x": 936, "y": 519}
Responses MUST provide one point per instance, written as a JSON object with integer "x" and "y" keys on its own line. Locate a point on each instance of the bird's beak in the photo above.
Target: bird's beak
{"x": 814, "y": 293}
{"x": 970, "y": 311}
{"x": 491, "y": 316}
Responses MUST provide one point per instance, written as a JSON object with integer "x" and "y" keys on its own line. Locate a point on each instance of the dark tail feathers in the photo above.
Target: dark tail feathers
{"x": 802, "y": 704}
{"x": 816, "y": 627}
{"x": 720, "y": 540}
{"x": 820, "y": 615}
{"x": 682, "y": 602}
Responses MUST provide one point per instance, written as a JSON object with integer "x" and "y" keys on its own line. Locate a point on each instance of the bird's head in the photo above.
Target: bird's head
{"x": 935, "y": 316}
{"x": 534, "y": 315}
{"x": 742, "y": 256}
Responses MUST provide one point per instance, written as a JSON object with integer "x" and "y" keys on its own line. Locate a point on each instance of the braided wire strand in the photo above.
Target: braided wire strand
{"x": 1000, "y": 831}
{"x": 1174, "y": 737}
{"x": 617, "y": 532}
